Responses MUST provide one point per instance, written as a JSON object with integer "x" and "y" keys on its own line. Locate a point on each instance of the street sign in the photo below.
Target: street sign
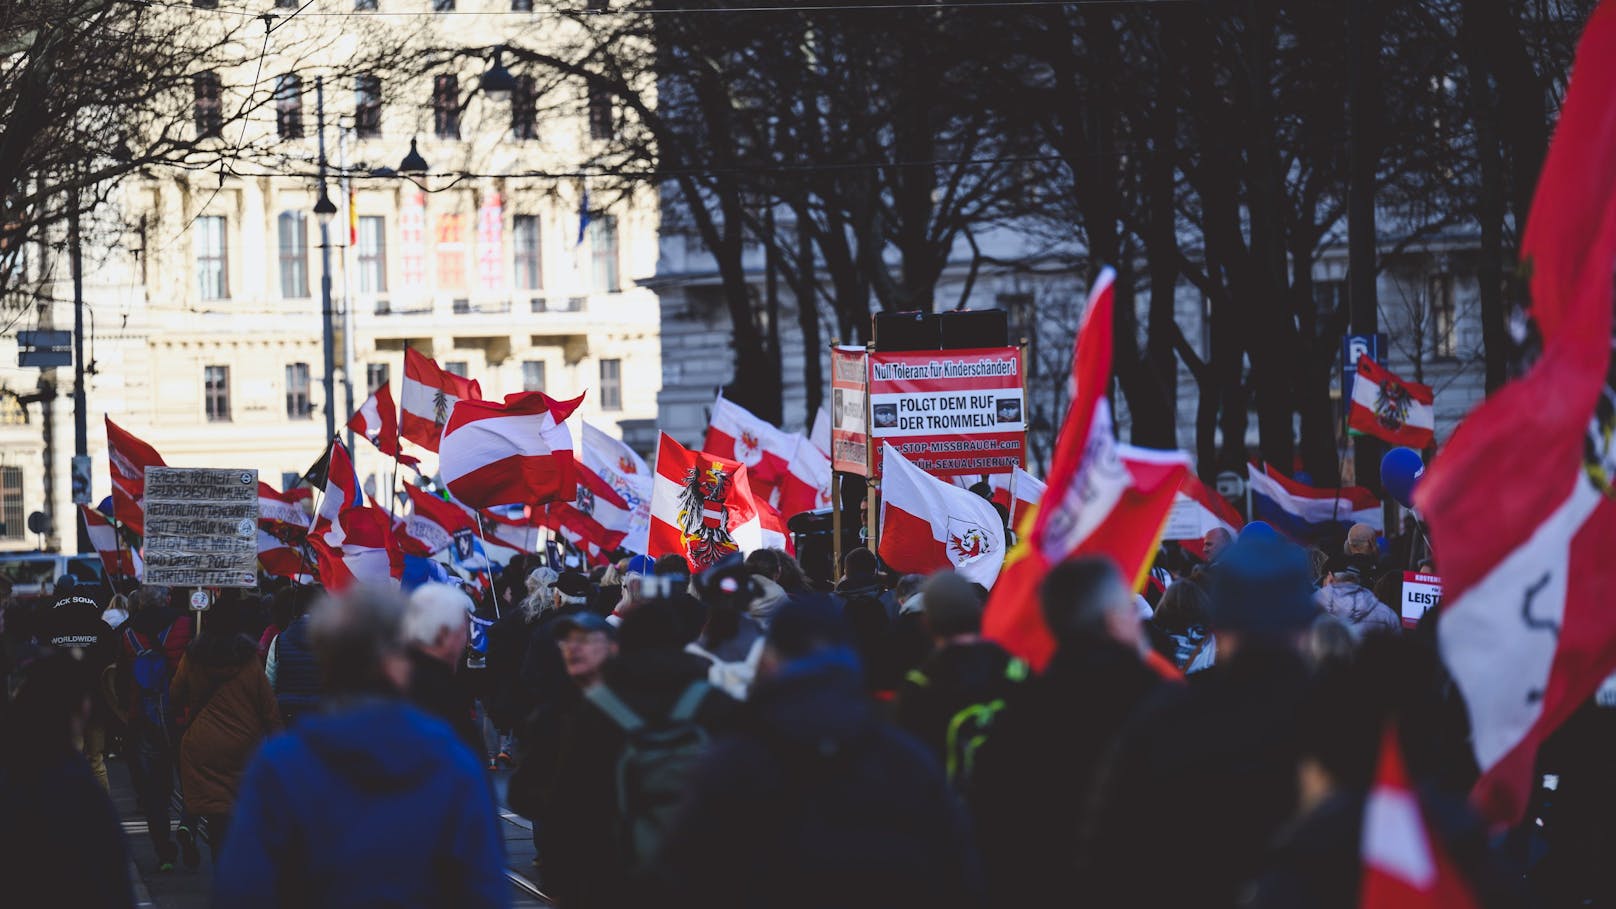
{"x": 44, "y": 349}
{"x": 81, "y": 479}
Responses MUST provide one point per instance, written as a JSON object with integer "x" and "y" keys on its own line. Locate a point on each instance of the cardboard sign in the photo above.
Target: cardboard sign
{"x": 849, "y": 439}
{"x": 951, "y": 412}
{"x": 201, "y": 527}
{"x": 1421, "y": 592}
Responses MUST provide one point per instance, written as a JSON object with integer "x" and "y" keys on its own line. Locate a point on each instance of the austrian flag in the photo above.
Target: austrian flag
{"x": 928, "y": 524}
{"x": 377, "y": 421}
{"x": 701, "y": 507}
{"x": 1390, "y": 409}
{"x": 128, "y": 458}
{"x": 430, "y": 394}
{"x": 515, "y": 453}
{"x": 739, "y": 435}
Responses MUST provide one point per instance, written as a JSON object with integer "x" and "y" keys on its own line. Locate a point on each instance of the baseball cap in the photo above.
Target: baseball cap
{"x": 584, "y": 620}
{"x": 642, "y": 565}
{"x": 574, "y": 584}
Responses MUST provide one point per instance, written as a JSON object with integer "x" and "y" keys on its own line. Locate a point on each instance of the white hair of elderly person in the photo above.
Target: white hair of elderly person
{"x": 438, "y": 620}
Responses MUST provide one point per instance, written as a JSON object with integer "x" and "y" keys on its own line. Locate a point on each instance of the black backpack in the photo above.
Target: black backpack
{"x": 654, "y": 768}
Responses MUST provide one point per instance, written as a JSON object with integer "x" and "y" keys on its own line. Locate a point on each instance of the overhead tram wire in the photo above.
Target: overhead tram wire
{"x": 584, "y": 12}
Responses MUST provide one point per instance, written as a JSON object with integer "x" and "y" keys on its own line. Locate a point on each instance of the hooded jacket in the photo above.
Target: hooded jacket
{"x": 372, "y": 804}
{"x": 818, "y": 802}
{"x": 1357, "y": 608}
{"x": 222, "y": 687}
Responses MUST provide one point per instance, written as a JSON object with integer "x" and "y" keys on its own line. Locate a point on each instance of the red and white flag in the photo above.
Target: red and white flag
{"x": 282, "y": 560}
{"x": 1521, "y": 502}
{"x": 1018, "y": 491}
{"x": 377, "y": 421}
{"x": 806, "y": 484}
{"x": 1198, "y": 511}
{"x": 739, "y": 435}
{"x": 368, "y": 553}
{"x": 621, "y": 468}
{"x": 280, "y": 515}
{"x": 429, "y": 395}
{"x": 1404, "y": 863}
{"x": 599, "y": 514}
{"x": 339, "y": 491}
{"x": 819, "y": 434}
{"x": 522, "y": 536}
{"x": 1386, "y": 407}
{"x": 518, "y": 452}
{"x": 432, "y": 524}
{"x": 118, "y": 561}
{"x": 929, "y": 524}
{"x": 128, "y": 458}
{"x": 1103, "y": 499}
{"x": 702, "y": 506}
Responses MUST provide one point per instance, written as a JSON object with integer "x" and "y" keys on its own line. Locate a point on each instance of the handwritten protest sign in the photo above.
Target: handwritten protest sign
{"x": 201, "y": 527}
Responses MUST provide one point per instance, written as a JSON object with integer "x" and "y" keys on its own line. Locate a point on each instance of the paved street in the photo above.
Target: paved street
{"x": 185, "y": 888}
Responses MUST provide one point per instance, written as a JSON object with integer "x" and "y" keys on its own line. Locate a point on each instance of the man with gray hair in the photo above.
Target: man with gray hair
{"x": 436, "y": 628}
{"x": 370, "y": 801}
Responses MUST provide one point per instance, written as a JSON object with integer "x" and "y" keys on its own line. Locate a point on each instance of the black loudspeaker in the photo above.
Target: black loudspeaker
{"x": 974, "y": 328}
{"x": 906, "y": 331}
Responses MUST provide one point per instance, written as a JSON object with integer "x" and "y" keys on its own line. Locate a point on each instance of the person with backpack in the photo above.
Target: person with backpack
{"x": 613, "y": 767}
{"x": 73, "y": 623}
{"x": 815, "y": 800}
{"x": 951, "y": 701}
{"x": 151, "y": 645}
{"x": 1034, "y": 774}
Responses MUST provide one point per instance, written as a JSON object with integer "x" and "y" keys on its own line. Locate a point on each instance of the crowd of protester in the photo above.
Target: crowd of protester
{"x": 749, "y": 736}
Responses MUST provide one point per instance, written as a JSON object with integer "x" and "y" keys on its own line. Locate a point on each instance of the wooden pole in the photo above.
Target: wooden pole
{"x": 873, "y": 487}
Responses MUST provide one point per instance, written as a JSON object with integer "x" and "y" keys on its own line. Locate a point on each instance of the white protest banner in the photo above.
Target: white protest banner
{"x": 201, "y": 527}
{"x": 1421, "y": 592}
{"x": 951, "y": 412}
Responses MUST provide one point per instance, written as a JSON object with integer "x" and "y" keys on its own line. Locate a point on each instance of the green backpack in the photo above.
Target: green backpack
{"x": 654, "y": 768}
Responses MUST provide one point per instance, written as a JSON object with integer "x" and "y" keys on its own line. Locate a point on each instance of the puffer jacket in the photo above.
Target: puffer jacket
{"x": 297, "y": 672}
{"x": 1357, "y": 608}
{"x": 222, "y": 686}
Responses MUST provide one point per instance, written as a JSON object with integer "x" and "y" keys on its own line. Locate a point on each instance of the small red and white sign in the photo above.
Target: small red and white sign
{"x": 849, "y": 436}
{"x": 1421, "y": 593}
{"x": 951, "y": 412}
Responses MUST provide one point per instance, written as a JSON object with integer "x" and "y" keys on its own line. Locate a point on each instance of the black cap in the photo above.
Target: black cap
{"x": 583, "y": 620}
{"x": 574, "y": 584}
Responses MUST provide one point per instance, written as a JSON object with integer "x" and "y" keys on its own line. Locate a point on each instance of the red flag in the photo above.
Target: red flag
{"x": 806, "y": 484}
{"x": 280, "y": 515}
{"x": 598, "y": 514}
{"x": 340, "y": 492}
{"x": 702, "y": 506}
{"x": 1386, "y": 407}
{"x": 929, "y": 524}
{"x": 118, "y": 561}
{"x": 377, "y": 421}
{"x": 1103, "y": 498}
{"x": 1404, "y": 865}
{"x": 432, "y": 524}
{"x": 518, "y": 452}
{"x": 128, "y": 458}
{"x": 510, "y": 533}
{"x": 739, "y": 435}
{"x": 429, "y": 395}
{"x": 368, "y": 553}
{"x": 282, "y": 560}
{"x": 1198, "y": 511}
{"x": 1520, "y": 501}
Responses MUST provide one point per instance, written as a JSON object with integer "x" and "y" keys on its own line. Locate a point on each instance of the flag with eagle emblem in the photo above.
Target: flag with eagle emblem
{"x": 929, "y": 524}
{"x": 1386, "y": 407}
{"x": 702, "y": 506}
{"x": 1521, "y": 504}
{"x": 429, "y": 395}
{"x": 739, "y": 435}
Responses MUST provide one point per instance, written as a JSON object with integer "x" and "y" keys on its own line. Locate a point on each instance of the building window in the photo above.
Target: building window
{"x": 365, "y": 5}
{"x": 12, "y": 524}
{"x": 212, "y": 260}
{"x": 611, "y": 384}
{"x": 372, "y": 254}
{"x": 521, "y": 6}
{"x": 451, "y": 251}
{"x": 205, "y": 4}
{"x": 533, "y": 375}
{"x": 1328, "y": 298}
{"x": 209, "y": 111}
{"x": 376, "y": 375}
{"x": 603, "y": 254}
{"x": 294, "y": 237}
{"x": 524, "y": 109}
{"x": 455, "y": 367}
{"x": 368, "y": 106}
{"x": 286, "y": 4}
{"x": 216, "y": 392}
{"x": 289, "y": 107}
{"x": 446, "y": 105}
{"x": 298, "y": 406}
{"x": 1442, "y": 320}
{"x": 443, "y": 6}
{"x": 600, "y": 113}
{"x": 529, "y": 261}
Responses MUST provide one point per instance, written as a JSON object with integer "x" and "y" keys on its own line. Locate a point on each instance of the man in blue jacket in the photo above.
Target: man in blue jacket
{"x": 369, "y": 802}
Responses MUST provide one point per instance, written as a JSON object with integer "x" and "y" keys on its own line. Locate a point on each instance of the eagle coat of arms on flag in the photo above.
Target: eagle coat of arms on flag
{"x": 1392, "y": 404}
{"x": 704, "y": 515}
{"x": 967, "y": 541}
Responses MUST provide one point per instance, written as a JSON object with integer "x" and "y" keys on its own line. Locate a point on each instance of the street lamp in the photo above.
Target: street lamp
{"x": 498, "y": 82}
{"x": 324, "y": 209}
{"x": 414, "y": 167}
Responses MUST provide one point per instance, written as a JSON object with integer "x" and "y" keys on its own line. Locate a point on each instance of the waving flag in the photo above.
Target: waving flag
{"x": 1404, "y": 863}
{"x": 702, "y": 506}
{"x": 739, "y": 435}
{"x": 367, "y": 554}
{"x": 280, "y": 515}
{"x": 339, "y": 488}
{"x": 1520, "y": 503}
{"x": 117, "y": 560}
{"x": 430, "y": 394}
{"x": 432, "y": 524}
{"x": 1103, "y": 498}
{"x": 517, "y": 452}
{"x": 1386, "y": 407}
{"x": 128, "y": 458}
{"x": 520, "y": 535}
{"x": 806, "y": 484}
{"x": 283, "y": 560}
{"x": 1308, "y": 514}
{"x": 819, "y": 434}
{"x": 377, "y": 421}
{"x": 626, "y": 473}
{"x": 1197, "y": 511}
{"x": 598, "y": 514}
{"x": 929, "y": 524}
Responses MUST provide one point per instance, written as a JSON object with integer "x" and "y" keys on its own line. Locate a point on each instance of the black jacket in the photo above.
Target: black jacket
{"x": 298, "y": 683}
{"x": 1206, "y": 774}
{"x": 952, "y": 679}
{"x": 508, "y": 702}
{"x": 815, "y": 801}
{"x": 74, "y": 623}
{"x": 60, "y": 842}
{"x": 438, "y": 689}
{"x": 1032, "y": 784}
{"x": 567, "y": 782}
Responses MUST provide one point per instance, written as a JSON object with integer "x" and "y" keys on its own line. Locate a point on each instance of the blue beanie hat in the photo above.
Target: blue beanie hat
{"x": 1262, "y": 585}
{"x": 1259, "y": 530}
